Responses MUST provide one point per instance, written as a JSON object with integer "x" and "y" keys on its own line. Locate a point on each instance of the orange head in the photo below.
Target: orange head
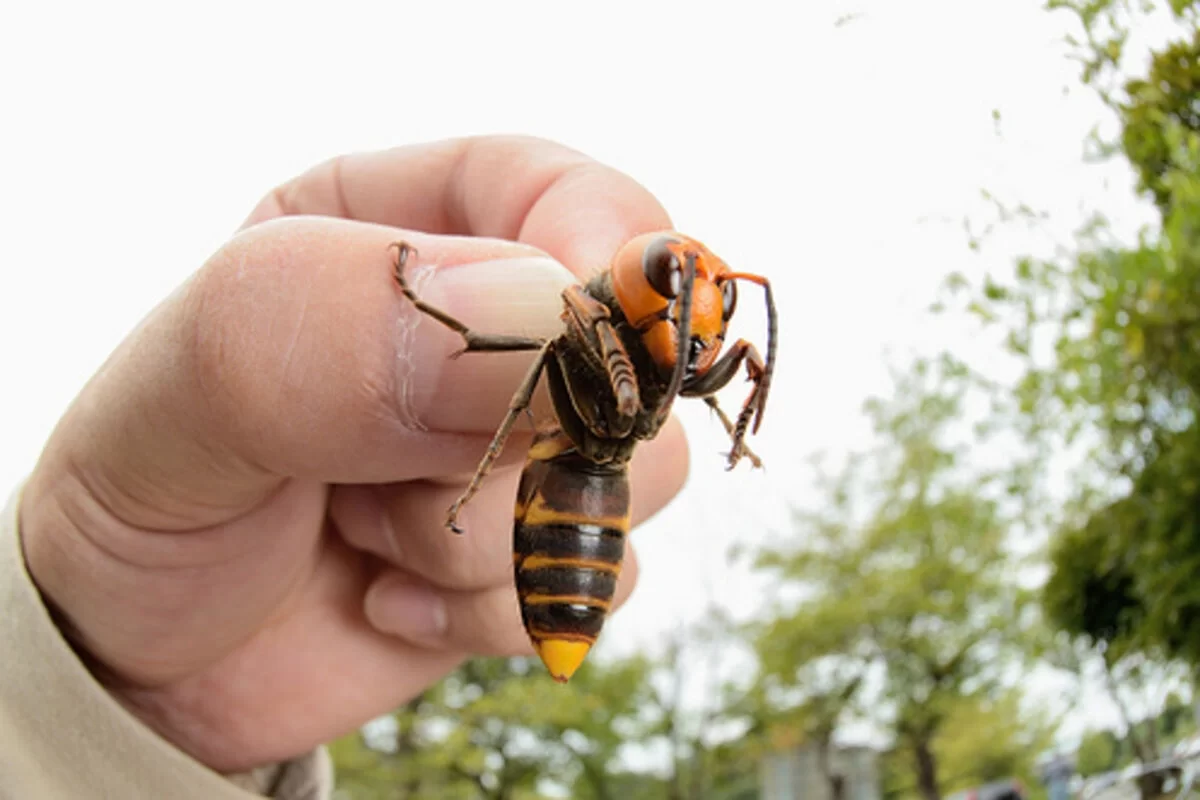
{"x": 647, "y": 277}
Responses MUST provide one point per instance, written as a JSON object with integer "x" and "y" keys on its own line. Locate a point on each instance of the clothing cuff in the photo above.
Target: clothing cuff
{"x": 62, "y": 735}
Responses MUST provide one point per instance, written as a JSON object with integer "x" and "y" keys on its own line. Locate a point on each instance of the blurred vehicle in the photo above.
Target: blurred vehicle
{"x": 1177, "y": 781}
{"x": 1008, "y": 789}
{"x": 1188, "y": 748}
{"x": 1095, "y": 784}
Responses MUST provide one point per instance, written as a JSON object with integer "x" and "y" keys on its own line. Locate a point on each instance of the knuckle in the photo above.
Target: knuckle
{"x": 230, "y": 306}
{"x": 317, "y": 191}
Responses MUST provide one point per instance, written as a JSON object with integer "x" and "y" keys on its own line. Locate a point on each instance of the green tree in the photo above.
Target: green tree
{"x": 714, "y": 738}
{"x": 1099, "y": 752}
{"x": 498, "y": 729}
{"x": 1177, "y": 719}
{"x": 991, "y": 738}
{"x": 1108, "y": 335}
{"x": 905, "y": 571}
{"x": 1160, "y": 114}
{"x": 1104, "y": 750}
{"x": 808, "y": 705}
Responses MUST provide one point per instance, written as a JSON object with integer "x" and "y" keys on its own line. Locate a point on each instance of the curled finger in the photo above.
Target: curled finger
{"x": 486, "y": 623}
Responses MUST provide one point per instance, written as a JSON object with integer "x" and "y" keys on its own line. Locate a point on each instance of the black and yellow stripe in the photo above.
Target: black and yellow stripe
{"x": 571, "y": 520}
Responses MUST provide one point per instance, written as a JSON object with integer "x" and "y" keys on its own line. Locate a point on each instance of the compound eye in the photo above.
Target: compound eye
{"x": 662, "y": 268}
{"x": 728, "y": 299}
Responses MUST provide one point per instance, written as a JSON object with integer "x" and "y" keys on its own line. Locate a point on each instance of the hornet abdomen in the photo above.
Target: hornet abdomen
{"x": 571, "y": 520}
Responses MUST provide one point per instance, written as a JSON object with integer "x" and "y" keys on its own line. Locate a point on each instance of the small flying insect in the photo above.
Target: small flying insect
{"x": 648, "y": 329}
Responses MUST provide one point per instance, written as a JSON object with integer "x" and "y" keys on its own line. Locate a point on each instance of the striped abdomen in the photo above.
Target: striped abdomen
{"x": 571, "y": 519}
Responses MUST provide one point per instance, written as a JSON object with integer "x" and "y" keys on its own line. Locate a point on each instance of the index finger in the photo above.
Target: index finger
{"x": 506, "y": 187}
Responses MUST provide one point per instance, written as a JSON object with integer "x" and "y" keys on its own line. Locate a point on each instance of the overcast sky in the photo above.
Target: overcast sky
{"x": 840, "y": 160}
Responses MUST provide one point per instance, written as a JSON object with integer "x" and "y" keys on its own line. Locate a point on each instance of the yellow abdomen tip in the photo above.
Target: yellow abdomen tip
{"x": 562, "y": 657}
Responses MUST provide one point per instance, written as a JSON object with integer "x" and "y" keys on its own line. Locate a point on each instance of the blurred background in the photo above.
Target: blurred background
{"x": 970, "y": 567}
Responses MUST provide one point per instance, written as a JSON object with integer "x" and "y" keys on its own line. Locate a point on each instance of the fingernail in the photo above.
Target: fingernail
{"x": 522, "y": 294}
{"x": 512, "y": 296}
{"x": 399, "y": 607}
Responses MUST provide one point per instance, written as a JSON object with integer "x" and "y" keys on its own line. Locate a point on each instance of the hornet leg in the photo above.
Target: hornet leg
{"x": 711, "y": 402}
{"x": 519, "y": 403}
{"x": 474, "y": 342}
{"x": 742, "y": 352}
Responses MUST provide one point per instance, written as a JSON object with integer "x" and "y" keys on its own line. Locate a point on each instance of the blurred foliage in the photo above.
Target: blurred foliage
{"x": 1125, "y": 578}
{"x": 1102, "y": 751}
{"x": 1091, "y": 591}
{"x": 1161, "y": 115}
{"x": 1107, "y": 335}
{"x": 984, "y": 739}
{"x": 1099, "y": 752}
{"x": 500, "y": 728}
{"x": 993, "y": 738}
{"x": 1101, "y": 43}
{"x": 918, "y": 589}
{"x": 1109, "y": 338}
{"x": 497, "y": 729}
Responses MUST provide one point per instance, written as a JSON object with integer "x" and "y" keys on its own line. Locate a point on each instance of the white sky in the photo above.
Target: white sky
{"x": 840, "y": 161}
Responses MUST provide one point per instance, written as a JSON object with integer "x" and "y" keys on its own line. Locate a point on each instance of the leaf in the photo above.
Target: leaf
{"x": 981, "y": 311}
{"x": 994, "y": 291}
{"x": 1135, "y": 342}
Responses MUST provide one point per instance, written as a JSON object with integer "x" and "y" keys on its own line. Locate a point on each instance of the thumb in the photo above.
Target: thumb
{"x": 293, "y": 354}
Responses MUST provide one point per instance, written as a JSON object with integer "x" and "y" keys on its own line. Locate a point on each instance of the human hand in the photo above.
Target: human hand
{"x": 239, "y": 521}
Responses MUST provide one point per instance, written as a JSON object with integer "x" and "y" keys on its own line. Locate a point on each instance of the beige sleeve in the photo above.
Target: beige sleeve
{"x": 63, "y": 736}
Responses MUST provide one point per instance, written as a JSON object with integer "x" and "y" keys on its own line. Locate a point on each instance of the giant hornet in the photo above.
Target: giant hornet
{"x": 642, "y": 332}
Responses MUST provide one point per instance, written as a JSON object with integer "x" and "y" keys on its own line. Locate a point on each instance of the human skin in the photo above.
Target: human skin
{"x": 239, "y": 521}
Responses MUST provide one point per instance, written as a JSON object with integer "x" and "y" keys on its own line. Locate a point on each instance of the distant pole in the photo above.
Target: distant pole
{"x": 1056, "y": 775}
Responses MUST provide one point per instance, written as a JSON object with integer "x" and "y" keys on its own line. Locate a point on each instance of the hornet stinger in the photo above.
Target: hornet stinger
{"x": 647, "y": 329}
